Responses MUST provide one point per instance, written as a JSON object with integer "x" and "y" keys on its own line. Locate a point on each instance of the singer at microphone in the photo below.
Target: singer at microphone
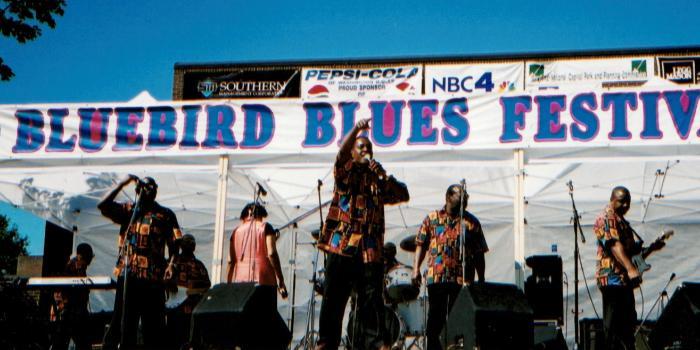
{"x": 142, "y": 267}
{"x": 356, "y": 247}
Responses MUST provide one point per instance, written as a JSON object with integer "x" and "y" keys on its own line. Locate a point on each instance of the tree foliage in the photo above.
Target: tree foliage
{"x": 21, "y": 20}
{"x": 12, "y": 245}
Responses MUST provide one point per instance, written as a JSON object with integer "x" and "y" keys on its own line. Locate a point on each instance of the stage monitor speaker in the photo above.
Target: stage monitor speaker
{"x": 490, "y": 316}
{"x": 548, "y": 336}
{"x": 544, "y": 288}
{"x": 591, "y": 334}
{"x": 238, "y": 315}
{"x": 679, "y": 324}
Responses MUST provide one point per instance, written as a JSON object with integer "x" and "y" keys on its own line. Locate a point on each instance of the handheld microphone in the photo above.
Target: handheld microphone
{"x": 261, "y": 190}
{"x": 673, "y": 275}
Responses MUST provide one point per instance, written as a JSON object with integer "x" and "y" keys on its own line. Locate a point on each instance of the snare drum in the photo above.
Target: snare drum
{"x": 399, "y": 286}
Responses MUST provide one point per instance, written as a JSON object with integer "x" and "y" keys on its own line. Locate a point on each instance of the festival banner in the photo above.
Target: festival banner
{"x": 681, "y": 70}
{"x": 590, "y": 72}
{"x": 470, "y": 79}
{"x": 571, "y": 118}
{"x": 351, "y": 83}
{"x": 238, "y": 83}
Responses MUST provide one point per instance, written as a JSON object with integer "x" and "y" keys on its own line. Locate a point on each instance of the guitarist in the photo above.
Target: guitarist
{"x": 617, "y": 276}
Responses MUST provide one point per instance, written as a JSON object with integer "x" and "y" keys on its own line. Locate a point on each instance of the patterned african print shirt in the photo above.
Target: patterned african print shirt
{"x": 191, "y": 273}
{"x": 355, "y": 220}
{"x": 610, "y": 228}
{"x": 147, "y": 238}
{"x": 439, "y": 235}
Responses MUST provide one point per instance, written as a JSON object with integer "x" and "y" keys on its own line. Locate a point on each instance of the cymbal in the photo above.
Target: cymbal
{"x": 408, "y": 244}
{"x": 315, "y": 234}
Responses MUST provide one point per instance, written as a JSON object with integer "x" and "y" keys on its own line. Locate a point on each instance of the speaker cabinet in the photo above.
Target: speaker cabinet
{"x": 490, "y": 316}
{"x": 679, "y": 324}
{"x": 544, "y": 288}
{"x": 239, "y": 314}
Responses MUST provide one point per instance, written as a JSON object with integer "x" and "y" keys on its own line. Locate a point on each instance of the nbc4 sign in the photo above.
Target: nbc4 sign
{"x": 467, "y": 79}
{"x": 373, "y": 82}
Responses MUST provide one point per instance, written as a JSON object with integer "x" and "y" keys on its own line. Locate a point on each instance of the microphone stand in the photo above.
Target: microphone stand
{"x": 577, "y": 231}
{"x": 663, "y": 292}
{"x": 125, "y": 255}
{"x": 309, "y": 340}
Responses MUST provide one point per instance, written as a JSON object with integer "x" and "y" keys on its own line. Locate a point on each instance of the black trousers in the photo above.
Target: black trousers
{"x": 72, "y": 324}
{"x": 145, "y": 302}
{"x": 343, "y": 275}
{"x": 619, "y": 317}
{"x": 441, "y": 298}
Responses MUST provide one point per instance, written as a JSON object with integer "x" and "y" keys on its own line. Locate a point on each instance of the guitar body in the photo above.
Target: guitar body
{"x": 639, "y": 260}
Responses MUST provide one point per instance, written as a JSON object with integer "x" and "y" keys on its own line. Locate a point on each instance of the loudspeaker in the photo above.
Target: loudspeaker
{"x": 491, "y": 316}
{"x": 544, "y": 288}
{"x": 679, "y": 324}
{"x": 239, "y": 314}
{"x": 591, "y": 334}
{"x": 548, "y": 336}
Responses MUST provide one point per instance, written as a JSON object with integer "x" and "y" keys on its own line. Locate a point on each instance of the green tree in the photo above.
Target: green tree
{"x": 20, "y": 20}
{"x": 12, "y": 245}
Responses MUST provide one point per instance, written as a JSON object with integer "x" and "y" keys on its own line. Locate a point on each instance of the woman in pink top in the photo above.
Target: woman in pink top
{"x": 253, "y": 253}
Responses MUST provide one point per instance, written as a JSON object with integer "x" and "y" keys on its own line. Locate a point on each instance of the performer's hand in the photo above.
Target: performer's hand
{"x": 377, "y": 168}
{"x": 282, "y": 289}
{"x": 416, "y": 278}
{"x": 130, "y": 178}
{"x": 363, "y": 124}
{"x": 635, "y": 278}
{"x": 169, "y": 272}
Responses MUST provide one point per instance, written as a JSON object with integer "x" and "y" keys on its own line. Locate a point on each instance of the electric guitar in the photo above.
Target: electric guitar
{"x": 639, "y": 260}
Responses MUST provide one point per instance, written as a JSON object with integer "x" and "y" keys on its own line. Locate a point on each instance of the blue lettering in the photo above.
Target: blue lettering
{"x": 650, "y": 103}
{"x": 682, "y": 106}
{"x": 259, "y": 126}
{"x": 163, "y": 134}
{"x": 514, "y": 110}
{"x": 422, "y": 131}
{"x": 56, "y": 143}
{"x": 319, "y": 130}
{"x": 386, "y": 122}
{"x": 30, "y": 133}
{"x": 93, "y": 128}
{"x": 456, "y": 129}
{"x": 189, "y": 137}
{"x": 220, "y": 121}
{"x": 549, "y": 127}
{"x": 582, "y": 114}
{"x": 619, "y": 101}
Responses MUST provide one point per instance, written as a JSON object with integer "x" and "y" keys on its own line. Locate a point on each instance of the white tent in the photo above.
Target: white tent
{"x": 518, "y": 192}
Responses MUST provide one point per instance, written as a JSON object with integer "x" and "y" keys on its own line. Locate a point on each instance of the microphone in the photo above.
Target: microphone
{"x": 261, "y": 190}
{"x": 673, "y": 275}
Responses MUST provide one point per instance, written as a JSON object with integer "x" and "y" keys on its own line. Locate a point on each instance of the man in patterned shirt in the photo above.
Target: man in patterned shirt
{"x": 439, "y": 237}
{"x": 353, "y": 238}
{"x": 154, "y": 228}
{"x": 615, "y": 272}
{"x": 192, "y": 274}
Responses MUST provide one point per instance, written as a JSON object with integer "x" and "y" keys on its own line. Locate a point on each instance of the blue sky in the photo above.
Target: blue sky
{"x": 28, "y": 225}
{"x": 111, "y": 50}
